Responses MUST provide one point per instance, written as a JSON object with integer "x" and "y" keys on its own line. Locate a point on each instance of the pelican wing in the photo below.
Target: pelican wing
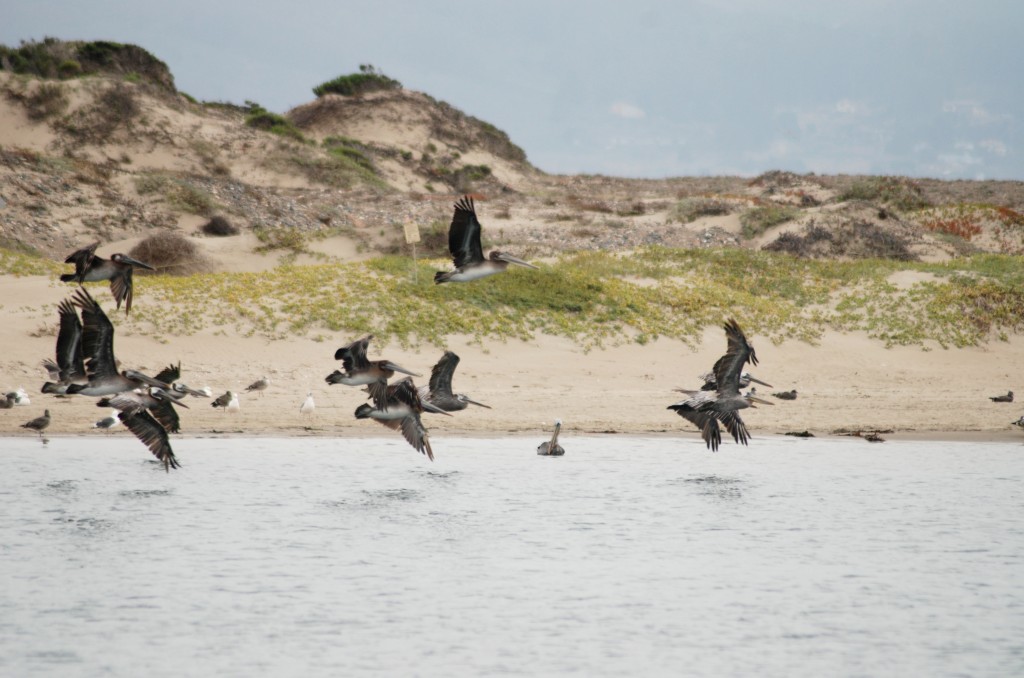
{"x": 121, "y": 288}
{"x": 169, "y": 374}
{"x": 152, "y": 435}
{"x": 703, "y": 420}
{"x": 82, "y": 259}
{"x": 735, "y": 426}
{"x": 441, "y": 375}
{"x": 464, "y": 234}
{"x": 404, "y": 391}
{"x": 69, "y": 343}
{"x": 353, "y": 356}
{"x": 729, "y": 367}
{"x": 416, "y": 435}
{"x": 165, "y": 413}
{"x": 129, "y": 402}
{"x": 97, "y": 337}
{"x": 378, "y": 391}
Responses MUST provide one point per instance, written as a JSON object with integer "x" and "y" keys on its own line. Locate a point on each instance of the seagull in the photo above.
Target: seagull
{"x": 467, "y": 253}
{"x": 228, "y": 401}
{"x": 552, "y": 448}
{"x": 108, "y": 423}
{"x": 260, "y": 385}
{"x": 19, "y": 397}
{"x": 1019, "y": 422}
{"x": 38, "y": 424}
{"x": 117, "y": 269}
{"x": 308, "y": 406}
{"x": 439, "y": 392}
{"x": 1008, "y": 398}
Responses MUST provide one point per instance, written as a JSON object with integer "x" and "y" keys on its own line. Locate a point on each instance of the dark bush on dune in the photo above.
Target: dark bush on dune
{"x": 219, "y": 226}
{"x": 170, "y": 254}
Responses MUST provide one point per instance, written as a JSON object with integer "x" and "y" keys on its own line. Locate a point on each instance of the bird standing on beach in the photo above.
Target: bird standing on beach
{"x": 117, "y": 269}
{"x": 1008, "y": 398}
{"x": 1019, "y": 422}
{"x": 439, "y": 390}
{"x": 551, "y": 448}
{"x": 38, "y": 424}
{"x": 107, "y": 423}
{"x": 259, "y": 385}
{"x": 707, "y": 409}
{"x": 467, "y": 253}
{"x": 403, "y": 414}
{"x": 308, "y": 406}
{"x": 786, "y": 395}
{"x": 227, "y": 402}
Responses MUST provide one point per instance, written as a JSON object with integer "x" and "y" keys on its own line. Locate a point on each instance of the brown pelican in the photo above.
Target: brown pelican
{"x": 38, "y": 424}
{"x": 157, "y": 400}
{"x": 362, "y": 372}
{"x": 98, "y": 351}
{"x": 403, "y": 414}
{"x": 710, "y": 384}
{"x": 1008, "y": 398}
{"x": 228, "y": 401}
{"x": 468, "y": 255}
{"x": 707, "y": 409}
{"x": 68, "y": 368}
{"x": 260, "y": 385}
{"x": 117, "y": 269}
{"x": 786, "y": 395}
{"x": 154, "y": 436}
{"x": 439, "y": 392}
{"x": 552, "y": 448}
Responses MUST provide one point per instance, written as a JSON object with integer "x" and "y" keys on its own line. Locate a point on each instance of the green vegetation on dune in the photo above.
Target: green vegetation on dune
{"x": 596, "y": 299}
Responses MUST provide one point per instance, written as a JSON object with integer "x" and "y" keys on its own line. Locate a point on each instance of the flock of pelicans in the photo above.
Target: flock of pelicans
{"x": 85, "y": 365}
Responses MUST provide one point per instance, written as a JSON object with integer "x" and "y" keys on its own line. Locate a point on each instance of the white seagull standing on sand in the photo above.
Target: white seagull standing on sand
{"x": 108, "y": 423}
{"x": 308, "y": 406}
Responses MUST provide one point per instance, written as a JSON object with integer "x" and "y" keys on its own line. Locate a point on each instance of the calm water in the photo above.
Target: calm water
{"x": 627, "y": 556}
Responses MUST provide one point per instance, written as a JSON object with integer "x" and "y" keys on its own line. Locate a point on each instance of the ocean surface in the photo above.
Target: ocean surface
{"x": 627, "y": 556}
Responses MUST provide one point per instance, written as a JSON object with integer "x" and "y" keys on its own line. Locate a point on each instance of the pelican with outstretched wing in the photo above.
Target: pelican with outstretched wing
{"x": 467, "y": 253}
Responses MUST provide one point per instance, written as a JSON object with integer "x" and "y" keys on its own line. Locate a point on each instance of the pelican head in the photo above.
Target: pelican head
{"x": 752, "y": 399}
{"x": 509, "y": 259}
{"x": 748, "y": 375}
{"x": 124, "y": 259}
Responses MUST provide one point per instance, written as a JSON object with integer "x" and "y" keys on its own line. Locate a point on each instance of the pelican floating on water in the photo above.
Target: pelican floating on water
{"x": 69, "y": 367}
{"x": 403, "y": 414}
{"x": 707, "y": 409}
{"x": 551, "y": 448}
{"x": 1008, "y": 398}
{"x": 467, "y": 253}
{"x": 117, "y": 269}
{"x": 439, "y": 390}
{"x": 359, "y": 371}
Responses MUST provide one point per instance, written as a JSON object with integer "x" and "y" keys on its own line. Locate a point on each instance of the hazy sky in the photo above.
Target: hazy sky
{"x": 637, "y": 88}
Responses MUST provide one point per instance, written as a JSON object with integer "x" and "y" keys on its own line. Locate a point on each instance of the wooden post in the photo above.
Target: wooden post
{"x": 412, "y": 236}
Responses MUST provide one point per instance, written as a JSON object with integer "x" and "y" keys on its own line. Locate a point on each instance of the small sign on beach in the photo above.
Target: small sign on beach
{"x": 412, "y": 232}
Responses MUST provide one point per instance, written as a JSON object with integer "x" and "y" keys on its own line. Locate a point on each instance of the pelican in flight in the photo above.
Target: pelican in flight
{"x": 711, "y": 384}
{"x": 552, "y": 448}
{"x": 150, "y": 415}
{"x": 69, "y": 367}
{"x": 707, "y": 409}
{"x": 118, "y": 270}
{"x": 439, "y": 392}
{"x": 403, "y": 414}
{"x": 468, "y": 255}
{"x": 359, "y": 371}
{"x": 1008, "y": 398}
{"x": 98, "y": 351}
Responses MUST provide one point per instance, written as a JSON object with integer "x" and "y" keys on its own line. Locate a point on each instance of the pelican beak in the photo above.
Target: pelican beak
{"x": 758, "y": 381}
{"x": 391, "y": 366}
{"x": 517, "y": 261}
{"x": 135, "y": 262}
{"x": 431, "y": 407}
{"x": 759, "y": 401}
{"x": 473, "y": 402}
{"x": 192, "y": 391}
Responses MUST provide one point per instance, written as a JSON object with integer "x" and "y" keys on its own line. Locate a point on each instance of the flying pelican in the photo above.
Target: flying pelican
{"x": 552, "y": 448}
{"x": 468, "y": 255}
{"x": 711, "y": 384}
{"x": 169, "y": 380}
{"x": 403, "y": 414}
{"x": 38, "y": 424}
{"x": 1008, "y": 398}
{"x": 98, "y": 351}
{"x": 108, "y": 423}
{"x": 362, "y": 372}
{"x": 786, "y": 395}
{"x": 154, "y": 436}
{"x": 707, "y": 409}
{"x": 439, "y": 392}
{"x": 308, "y": 406}
{"x": 117, "y": 269}
{"x": 157, "y": 400}
{"x": 228, "y": 401}
{"x": 69, "y": 367}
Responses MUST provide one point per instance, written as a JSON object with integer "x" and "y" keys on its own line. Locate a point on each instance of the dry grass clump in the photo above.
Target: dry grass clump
{"x": 170, "y": 254}
{"x": 757, "y": 220}
{"x": 220, "y": 227}
{"x": 854, "y": 240}
{"x": 689, "y": 209}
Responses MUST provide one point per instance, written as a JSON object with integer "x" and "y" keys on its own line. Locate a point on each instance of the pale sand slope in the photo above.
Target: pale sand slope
{"x": 847, "y": 382}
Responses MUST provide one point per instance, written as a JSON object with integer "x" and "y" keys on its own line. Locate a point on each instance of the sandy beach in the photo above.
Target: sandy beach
{"x": 845, "y": 383}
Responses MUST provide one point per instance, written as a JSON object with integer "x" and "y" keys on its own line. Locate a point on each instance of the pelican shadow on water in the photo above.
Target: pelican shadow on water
{"x": 467, "y": 253}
